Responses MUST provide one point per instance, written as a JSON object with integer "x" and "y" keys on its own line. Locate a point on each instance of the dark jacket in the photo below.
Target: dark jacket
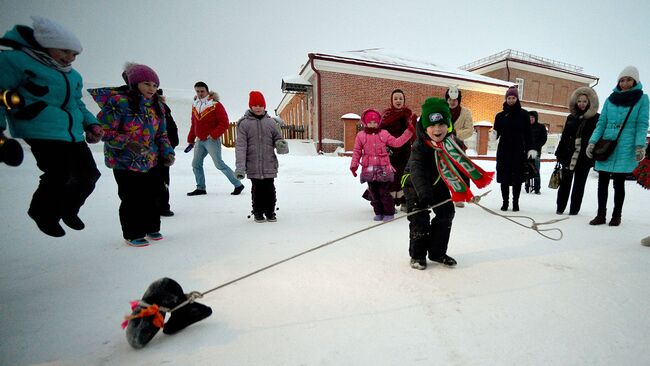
{"x": 515, "y": 139}
{"x": 172, "y": 129}
{"x": 421, "y": 172}
{"x": 578, "y": 124}
{"x": 538, "y": 133}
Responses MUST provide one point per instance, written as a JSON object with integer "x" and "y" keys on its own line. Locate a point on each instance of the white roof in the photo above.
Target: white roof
{"x": 350, "y": 116}
{"x": 390, "y": 58}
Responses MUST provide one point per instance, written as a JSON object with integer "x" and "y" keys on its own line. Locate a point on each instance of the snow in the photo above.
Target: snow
{"x": 514, "y": 298}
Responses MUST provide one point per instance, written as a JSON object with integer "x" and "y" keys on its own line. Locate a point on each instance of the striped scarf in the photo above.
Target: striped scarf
{"x": 452, "y": 164}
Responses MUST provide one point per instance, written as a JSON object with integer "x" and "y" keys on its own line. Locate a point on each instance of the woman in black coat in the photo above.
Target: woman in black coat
{"x": 570, "y": 152}
{"x": 512, "y": 126}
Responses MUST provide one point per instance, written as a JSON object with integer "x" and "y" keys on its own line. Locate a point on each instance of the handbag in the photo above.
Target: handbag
{"x": 604, "y": 148}
{"x": 556, "y": 177}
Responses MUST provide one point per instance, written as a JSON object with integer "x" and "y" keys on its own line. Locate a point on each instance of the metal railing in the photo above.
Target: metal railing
{"x": 518, "y": 55}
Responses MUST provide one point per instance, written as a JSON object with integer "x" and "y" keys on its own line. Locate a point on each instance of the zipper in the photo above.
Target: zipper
{"x": 65, "y": 104}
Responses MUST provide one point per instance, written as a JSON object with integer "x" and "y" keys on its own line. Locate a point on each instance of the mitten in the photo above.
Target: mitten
{"x": 94, "y": 134}
{"x": 189, "y": 148}
{"x": 282, "y": 147}
{"x": 240, "y": 175}
{"x": 590, "y": 150}
{"x": 639, "y": 153}
{"x": 135, "y": 147}
{"x": 532, "y": 154}
{"x": 354, "y": 171}
{"x": 169, "y": 160}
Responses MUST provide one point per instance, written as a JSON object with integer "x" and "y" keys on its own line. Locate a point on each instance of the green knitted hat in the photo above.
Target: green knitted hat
{"x": 435, "y": 111}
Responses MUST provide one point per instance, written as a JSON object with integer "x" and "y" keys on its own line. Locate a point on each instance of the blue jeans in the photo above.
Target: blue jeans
{"x": 537, "y": 180}
{"x": 212, "y": 147}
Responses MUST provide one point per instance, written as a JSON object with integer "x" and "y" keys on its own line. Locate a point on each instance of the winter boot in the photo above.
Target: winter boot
{"x": 615, "y": 221}
{"x": 515, "y": 206}
{"x": 504, "y": 206}
{"x": 237, "y": 190}
{"x": 378, "y": 217}
{"x": 445, "y": 259}
{"x": 73, "y": 222}
{"x": 418, "y": 263}
{"x": 155, "y": 236}
{"x": 258, "y": 217}
{"x": 388, "y": 217}
{"x": 50, "y": 227}
{"x": 599, "y": 219}
{"x": 646, "y": 241}
{"x": 270, "y": 217}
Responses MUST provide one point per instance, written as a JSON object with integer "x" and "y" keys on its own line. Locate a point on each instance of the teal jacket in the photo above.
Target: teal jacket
{"x": 53, "y": 108}
{"x": 622, "y": 160}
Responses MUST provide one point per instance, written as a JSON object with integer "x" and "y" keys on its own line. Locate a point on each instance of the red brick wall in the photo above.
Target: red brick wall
{"x": 343, "y": 93}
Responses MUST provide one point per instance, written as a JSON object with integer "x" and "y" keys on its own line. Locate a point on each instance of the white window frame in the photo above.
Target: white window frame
{"x": 520, "y": 87}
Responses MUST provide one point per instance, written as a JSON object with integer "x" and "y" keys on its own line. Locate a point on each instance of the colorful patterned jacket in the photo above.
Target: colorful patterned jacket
{"x": 121, "y": 126}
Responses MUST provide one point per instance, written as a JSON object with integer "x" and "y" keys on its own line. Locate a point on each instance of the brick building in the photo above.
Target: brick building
{"x": 544, "y": 85}
{"x": 331, "y": 85}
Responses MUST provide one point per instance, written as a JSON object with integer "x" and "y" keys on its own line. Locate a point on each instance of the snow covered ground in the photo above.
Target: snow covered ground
{"x": 515, "y": 298}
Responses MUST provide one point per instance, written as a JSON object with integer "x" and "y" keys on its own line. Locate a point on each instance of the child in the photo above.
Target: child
{"x": 52, "y": 121}
{"x": 257, "y": 136}
{"x": 436, "y": 166}
{"x": 370, "y": 148}
{"x": 135, "y": 140}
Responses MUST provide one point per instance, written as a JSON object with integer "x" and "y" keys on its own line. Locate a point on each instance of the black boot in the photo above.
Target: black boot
{"x": 46, "y": 225}
{"x": 186, "y": 316}
{"x": 504, "y": 206}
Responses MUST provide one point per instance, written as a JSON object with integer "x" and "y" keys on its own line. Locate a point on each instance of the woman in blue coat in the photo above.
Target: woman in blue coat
{"x": 627, "y": 97}
{"x": 52, "y": 121}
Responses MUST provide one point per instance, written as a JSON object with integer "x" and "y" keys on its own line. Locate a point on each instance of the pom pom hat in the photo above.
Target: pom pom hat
{"x": 370, "y": 115}
{"x": 630, "y": 71}
{"x": 50, "y": 34}
{"x": 435, "y": 111}
{"x": 256, "y": 98}
{"x": 138, "y": 73}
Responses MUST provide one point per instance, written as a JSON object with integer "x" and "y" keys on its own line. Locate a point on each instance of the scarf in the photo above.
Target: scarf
{"x": 452, "y": 164}
{"x": 45, "y": 59}
{"x": 626, "y": 99}
{"x": 395, "y": 120}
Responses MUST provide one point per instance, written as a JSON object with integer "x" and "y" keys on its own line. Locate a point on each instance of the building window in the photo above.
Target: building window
{"x": 520, "y": 87}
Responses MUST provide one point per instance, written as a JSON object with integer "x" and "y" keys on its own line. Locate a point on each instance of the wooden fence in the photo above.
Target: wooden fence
{"x": 288, "y": 132}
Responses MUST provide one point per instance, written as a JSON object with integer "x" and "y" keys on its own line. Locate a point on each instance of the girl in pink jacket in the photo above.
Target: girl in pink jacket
{"x": 370, "y": 149}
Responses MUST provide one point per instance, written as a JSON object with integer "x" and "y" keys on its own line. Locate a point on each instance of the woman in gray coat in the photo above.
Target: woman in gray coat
{"x": 257, "y": 137}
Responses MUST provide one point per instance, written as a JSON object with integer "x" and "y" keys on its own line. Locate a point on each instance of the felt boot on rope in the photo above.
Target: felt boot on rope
{"x": 186, "y": 316}
{"x": 148, "y": 315}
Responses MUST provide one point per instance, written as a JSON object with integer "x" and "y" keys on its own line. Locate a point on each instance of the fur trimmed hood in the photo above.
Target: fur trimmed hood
{"x": 212, "y": 95}
{"x": 593, "y": 101}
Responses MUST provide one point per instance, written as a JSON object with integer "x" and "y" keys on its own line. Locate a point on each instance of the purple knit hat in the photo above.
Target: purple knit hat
{"x": 138, "y": 73}
{"x": 512, "y": 91}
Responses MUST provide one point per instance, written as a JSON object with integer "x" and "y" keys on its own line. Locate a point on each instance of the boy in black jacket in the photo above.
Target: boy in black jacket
{"x": 434, "y": 175}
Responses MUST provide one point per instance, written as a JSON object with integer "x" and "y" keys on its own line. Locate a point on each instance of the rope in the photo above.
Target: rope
{"x": 534, "y": 225}
{"x": 193, "y": 296}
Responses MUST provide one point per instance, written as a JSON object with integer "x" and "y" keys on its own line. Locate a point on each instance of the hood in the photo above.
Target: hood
{"x": 20, "y": 36}
{"x": 593, "y": 102}
{"x": 534, "y": 114}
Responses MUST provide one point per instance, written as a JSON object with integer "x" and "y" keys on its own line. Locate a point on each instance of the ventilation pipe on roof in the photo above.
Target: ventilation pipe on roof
{"x": 318, "y": 92}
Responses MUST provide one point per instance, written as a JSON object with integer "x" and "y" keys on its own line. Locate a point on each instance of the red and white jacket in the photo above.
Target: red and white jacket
{"x": 209, "y": 119}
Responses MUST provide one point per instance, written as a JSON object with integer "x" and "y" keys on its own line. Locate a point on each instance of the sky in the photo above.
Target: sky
{"x": 238, "y": 46}
{"x": 515, "y": 298}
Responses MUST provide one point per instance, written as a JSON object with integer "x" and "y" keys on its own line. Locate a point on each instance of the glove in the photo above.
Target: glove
{"x": 189, "y": 147}
{"x": 590, "y": 150}
{"x": 94, "y": 134}
{"x": 135, "y": 147}
{"x": 240, "y": 175}
{"x": 169, "y": 160}
{"x": 354, "y": 171}
{"x": 639, "y": 153}
{"x": 532, "y": 154}
{"x": 282, "y": 147}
